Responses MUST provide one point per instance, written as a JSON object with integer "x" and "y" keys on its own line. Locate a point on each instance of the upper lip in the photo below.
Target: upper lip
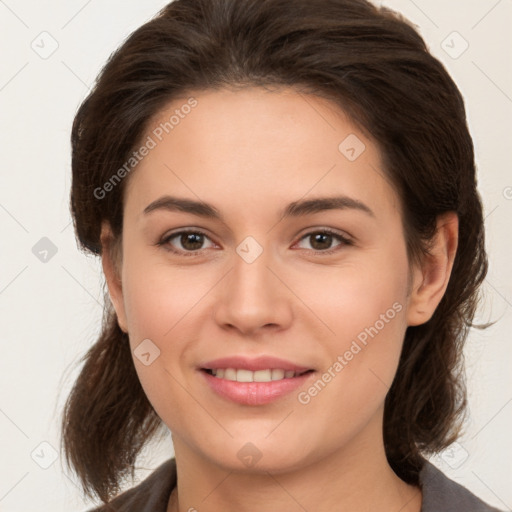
{"x": 253, "y": 364}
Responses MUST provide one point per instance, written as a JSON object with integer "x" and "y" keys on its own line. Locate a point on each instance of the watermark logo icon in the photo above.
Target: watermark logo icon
{"x": 351, "y": 147}
{"x": 249, "y": 249}
{"x": 44, "y": 455}
{"x": 146, "y": 352}
{"x": 249, "y": 455}
{"x": 454, "y": 45}
{"x": 45, "y": 45}
{"x": 44, "y": 250}
{"x": 455, "y": 455}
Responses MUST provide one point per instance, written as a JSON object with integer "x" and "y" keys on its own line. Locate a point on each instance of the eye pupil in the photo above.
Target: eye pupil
{"x": 321, "y": 238}
{"x": 195, "y": 239}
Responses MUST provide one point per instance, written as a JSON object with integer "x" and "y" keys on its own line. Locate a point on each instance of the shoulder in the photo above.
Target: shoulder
{"x": 441, "y": 494}
{"x": 151, "y": 495}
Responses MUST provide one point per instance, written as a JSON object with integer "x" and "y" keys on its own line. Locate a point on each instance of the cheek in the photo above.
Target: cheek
{"x": 163, "y": 304}
{"x": 362, "y": 309}
{"x": 158, "y": 304}
{"x": 159, "y": 297}
{"x": 369, "y": 290}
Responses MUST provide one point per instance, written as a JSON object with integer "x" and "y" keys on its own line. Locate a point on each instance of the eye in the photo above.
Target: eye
{"x": 189, "y": 242}
{"x": 321, "y": 241}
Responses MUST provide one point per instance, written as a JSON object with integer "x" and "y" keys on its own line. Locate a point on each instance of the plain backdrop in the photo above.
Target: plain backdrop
{"x": 51, "y": 303}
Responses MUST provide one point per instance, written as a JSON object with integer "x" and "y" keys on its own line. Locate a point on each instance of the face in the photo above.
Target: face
{"x": 295, "y": 251}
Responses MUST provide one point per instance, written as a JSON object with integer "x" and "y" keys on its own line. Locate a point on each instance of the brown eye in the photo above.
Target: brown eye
{"x": 322, "y": 241}
{"x": 185, "y": 242}
{"x": 191, "y": 241}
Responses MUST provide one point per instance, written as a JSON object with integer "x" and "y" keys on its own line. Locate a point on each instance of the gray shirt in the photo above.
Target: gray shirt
{"x": 440, "y": 494}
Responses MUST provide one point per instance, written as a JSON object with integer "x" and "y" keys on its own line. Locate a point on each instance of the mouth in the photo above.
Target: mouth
{"x": 254, "y": 381}
{"x": 259, "y": 381}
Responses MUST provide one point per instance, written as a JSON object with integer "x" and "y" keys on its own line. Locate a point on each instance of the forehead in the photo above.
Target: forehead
{"x": 254, "y": 147}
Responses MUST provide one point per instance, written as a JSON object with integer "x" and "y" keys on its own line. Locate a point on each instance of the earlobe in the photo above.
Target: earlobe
{"x": 431, "y": 279}
{"x": 111, "y": 268}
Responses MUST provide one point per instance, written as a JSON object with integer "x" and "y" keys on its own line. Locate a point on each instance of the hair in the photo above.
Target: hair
{"x": 373, "y": 65}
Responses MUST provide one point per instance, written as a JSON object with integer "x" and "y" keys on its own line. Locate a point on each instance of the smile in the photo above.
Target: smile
{"x": 242, "y": 386}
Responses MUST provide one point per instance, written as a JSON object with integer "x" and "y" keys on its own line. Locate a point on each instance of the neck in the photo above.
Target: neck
{"x": 356, "y": 478}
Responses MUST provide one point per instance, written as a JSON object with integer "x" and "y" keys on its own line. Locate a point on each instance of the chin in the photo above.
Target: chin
{"x": 252, "y": 457}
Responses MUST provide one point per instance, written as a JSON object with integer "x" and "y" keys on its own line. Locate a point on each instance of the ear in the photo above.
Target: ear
{"x": 111, "y": 263}
{"x": 430, "y": 278}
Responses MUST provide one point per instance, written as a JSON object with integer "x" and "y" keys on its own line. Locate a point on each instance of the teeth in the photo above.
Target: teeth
{"x": 278, "y": 374}
{"x": 241, "y": 375}
{"x": 230, "y": 374}
{"x": 244, "y": 376}
{"x": 262, "y": 375}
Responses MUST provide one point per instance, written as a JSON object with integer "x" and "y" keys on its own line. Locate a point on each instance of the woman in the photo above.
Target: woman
{"x": 283, "y": 196}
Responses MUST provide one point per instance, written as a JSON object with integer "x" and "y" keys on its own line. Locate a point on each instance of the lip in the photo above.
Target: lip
{"x": 254, "y": 364}
{"x": 255, "y": 393}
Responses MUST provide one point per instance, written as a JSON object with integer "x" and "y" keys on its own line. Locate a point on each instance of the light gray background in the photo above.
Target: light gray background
{"x": 51, "y": 311}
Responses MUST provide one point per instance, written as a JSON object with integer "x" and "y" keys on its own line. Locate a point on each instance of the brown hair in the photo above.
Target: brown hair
{"x": 375, "y": 66}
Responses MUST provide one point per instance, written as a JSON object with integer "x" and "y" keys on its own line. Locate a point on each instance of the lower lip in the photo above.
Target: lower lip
{"x": 255, "y": 393}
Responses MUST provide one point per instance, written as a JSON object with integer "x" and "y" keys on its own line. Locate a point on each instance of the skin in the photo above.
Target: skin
{"x": 249, "y": 153}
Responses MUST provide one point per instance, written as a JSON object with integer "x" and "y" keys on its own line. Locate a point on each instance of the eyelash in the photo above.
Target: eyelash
{"x": 344, "y": 241}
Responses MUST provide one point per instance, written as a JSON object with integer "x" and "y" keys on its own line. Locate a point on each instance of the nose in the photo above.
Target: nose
{"x": 253, "y": 298}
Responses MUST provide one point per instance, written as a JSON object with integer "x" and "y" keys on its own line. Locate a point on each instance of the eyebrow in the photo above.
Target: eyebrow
{"x": 294, "y": 209}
